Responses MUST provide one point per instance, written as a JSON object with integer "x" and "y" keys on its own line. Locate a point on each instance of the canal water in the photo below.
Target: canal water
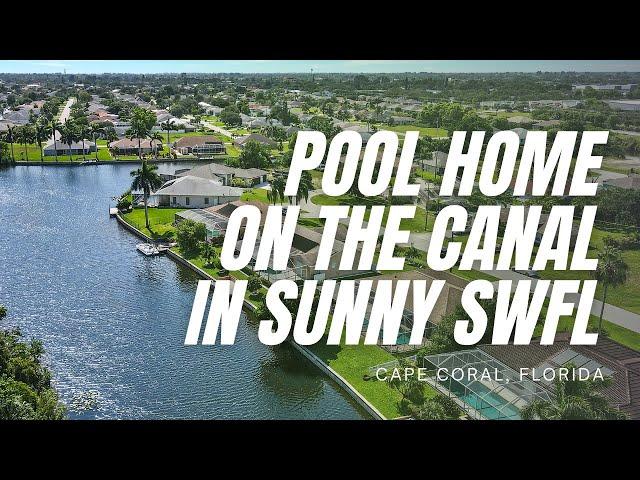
{"x": 113, "y": 321}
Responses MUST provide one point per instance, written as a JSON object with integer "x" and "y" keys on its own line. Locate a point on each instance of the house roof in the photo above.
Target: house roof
{"x": 196, "y": 140}
{"x": 128, "y": 143}
{"x": 213, "y": 170}
{"x": 254, "y": 137}
{"x": 622, "y": 361}
{"x": 196, "y": 186}
{"x": 226, "y": 209}
{"x": 632, "y": 182}
{"x": 211, "y": 220}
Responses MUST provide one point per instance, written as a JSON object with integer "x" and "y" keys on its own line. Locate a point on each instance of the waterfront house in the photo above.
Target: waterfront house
{"x": 199, "y": 145}
{"x": 76, "y": 148}
{"x": 128, "y": 146}
{"x": 195, "y": 192}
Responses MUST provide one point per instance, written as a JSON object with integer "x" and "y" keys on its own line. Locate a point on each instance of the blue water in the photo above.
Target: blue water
{"x": 113, "y": 321}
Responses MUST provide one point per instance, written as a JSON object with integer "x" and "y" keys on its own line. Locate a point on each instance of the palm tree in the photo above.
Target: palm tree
{"x": 25, "y": 136}
{"x": 611, "y": 271}
{"x": 155, "y": 138}
{"x": 168, "y": 126}
{"x": 277, "y": 190}
{"x": 142, "y": 121}
{"x": 11, "y": 137}
{"x": 55, "y": 127}
{"x": 574, "y": 399}
{"x": 304, "y": 187}
{"x": 42, "y": 133}
{"x": 68, "y": 135}
{"x": 146, "y": 179}
{"x": 96, "y": 131}
{"x": 83, "y": 131}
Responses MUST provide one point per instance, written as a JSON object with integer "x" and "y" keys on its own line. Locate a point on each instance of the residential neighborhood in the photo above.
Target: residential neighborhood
{"x": 170, "y": 157}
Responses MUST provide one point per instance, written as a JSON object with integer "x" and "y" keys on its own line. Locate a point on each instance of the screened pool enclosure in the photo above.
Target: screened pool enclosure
{"x": 484, "y": 387}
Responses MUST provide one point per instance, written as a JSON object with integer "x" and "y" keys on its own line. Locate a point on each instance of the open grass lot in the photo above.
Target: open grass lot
{"x": 33, "y": 155}
{"x": 160, "y": 221}
{"x": 418, "y": 223}
{"x": 352, "y": 362}
{"x": 428, "y": 176}
{"x": 255, "y": 195}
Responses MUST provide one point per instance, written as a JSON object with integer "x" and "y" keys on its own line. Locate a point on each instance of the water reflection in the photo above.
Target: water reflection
{"x": 113, "y": 321}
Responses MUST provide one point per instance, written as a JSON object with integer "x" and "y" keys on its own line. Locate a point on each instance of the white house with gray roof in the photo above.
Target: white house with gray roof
{"x": 195, "y": 192}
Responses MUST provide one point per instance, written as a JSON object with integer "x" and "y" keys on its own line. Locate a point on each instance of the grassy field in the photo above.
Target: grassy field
{"x": 255, "y": 195}
{"x": 429, "y": 176}
{"x": 160, "y": 221}
{"x": 626, "y": 296}
{"x": 33, "y": 155}
{"x": 418, "y": 223}
{"x": 354, "y": 361}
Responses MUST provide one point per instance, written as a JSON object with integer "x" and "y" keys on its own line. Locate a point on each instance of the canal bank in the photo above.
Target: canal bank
{"x": 113, "y": 321}
{"x": 308, "y": 354}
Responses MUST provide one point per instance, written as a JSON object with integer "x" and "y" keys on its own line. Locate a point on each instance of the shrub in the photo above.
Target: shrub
{"x": 254, "y": 284}
{"x": 189, "y": 234}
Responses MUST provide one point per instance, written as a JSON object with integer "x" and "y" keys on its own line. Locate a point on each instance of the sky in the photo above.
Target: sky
{"x": 319, "y": 66}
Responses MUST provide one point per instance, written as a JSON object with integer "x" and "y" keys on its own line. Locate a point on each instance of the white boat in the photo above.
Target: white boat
{"x": 147, "y": 249}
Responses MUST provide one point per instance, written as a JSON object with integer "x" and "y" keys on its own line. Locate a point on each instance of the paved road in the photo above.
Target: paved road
{"x": 216, "y": 128}
{"x": 66, "y": 112}
{"x": 612, "y": 313}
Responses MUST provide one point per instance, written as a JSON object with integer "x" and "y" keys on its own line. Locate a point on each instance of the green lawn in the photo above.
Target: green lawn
{"x": 416, "y": 224}
{"x": 615, "y": 332}
{"x": 429, "y": 176}
{"x": 255, "y": 195}
{"x": 33, "y": 155}
{"x": 626, "y": 296}
{"x": 160, "y": 220}
{"x": 354, "y": 361}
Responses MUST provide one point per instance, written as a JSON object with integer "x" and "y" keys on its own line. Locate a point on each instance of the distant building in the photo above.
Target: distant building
{"x": 624, "y": 88}
{"x": 633, "y": 105}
